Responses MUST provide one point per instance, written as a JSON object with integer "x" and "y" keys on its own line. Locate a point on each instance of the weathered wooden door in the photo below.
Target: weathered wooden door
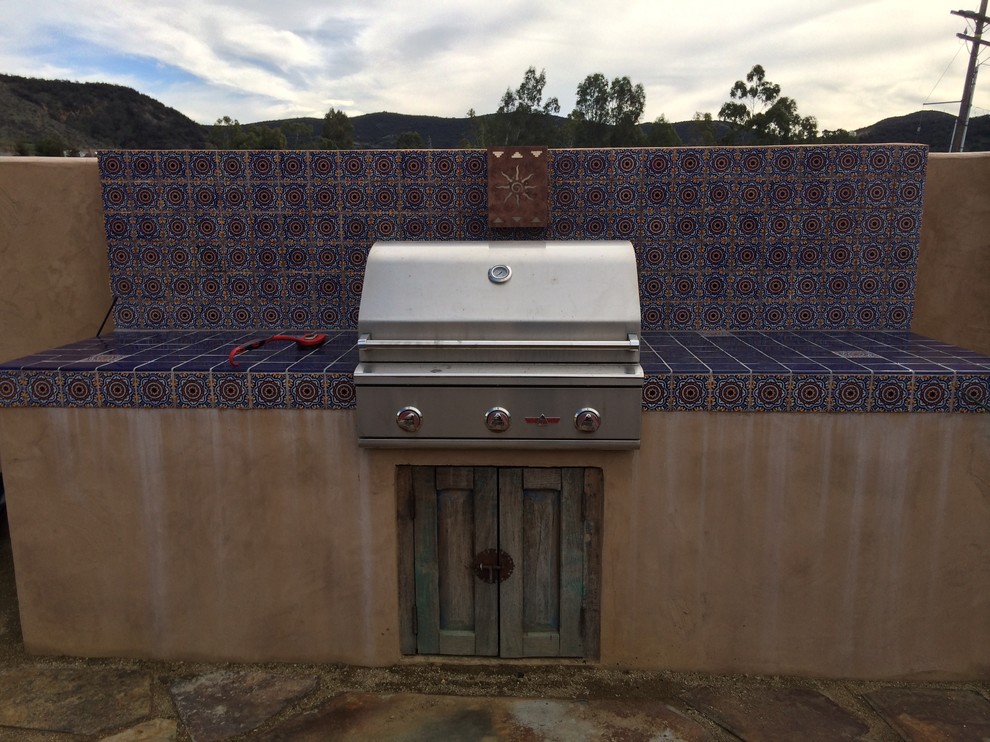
{"x": 499, "y": 561}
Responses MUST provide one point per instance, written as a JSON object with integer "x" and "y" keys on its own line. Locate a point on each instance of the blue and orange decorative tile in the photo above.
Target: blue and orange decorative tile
{"x": 141, "y": 165}
{"x": 912, "y": 159}
{"x": 656, "y": 392}
{"x": 192, "y": 389}
{"x": 154, "y": 389}
{"x": 413, "y": 164}
{"x": 690, "y": 391}
{"x": 307, "y": 390}
{"x": 230, "y": 389}
{"x": 784, "y": 162}
{"x": 659, "y": 165}
{"x": 113, "y": 166}
{"x": 892, "y": 393}
{"x": 117, "y": 389}
{"x": 81, "y": 389}
{"x": 262, "y": 167}
{"x": 810, "y": 393}
{"x": 851, "y": 392}
{"x": 206, "y": 165}
{"x": 770, "y": 393}
{"x": 724, "y": 163}
{"x": 732, "y": 392}
{"x": 933, "y": 393}
{"x": 340, "y": 391}
{"x": 268, "y": 390}
{"x": 972, "y": 393}
{"x": 40, "y": 388}
{"x": 443, "y": 165}
{"x": 473, "y": 165}
{"x": 324, "y": 165}
{"x": 12, "y": 387}
{"x": 898, "y": 316}
{"x": 293, "y": 166}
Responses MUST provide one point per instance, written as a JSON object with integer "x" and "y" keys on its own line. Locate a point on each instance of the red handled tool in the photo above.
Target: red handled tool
{"x": 310, "y": 340}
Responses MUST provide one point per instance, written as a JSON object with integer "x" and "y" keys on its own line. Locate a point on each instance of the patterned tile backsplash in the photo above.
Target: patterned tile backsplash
{"x": 778, "y": 238}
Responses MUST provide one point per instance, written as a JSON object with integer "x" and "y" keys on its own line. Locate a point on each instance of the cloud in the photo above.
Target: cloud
{"x": 848, "y": 62}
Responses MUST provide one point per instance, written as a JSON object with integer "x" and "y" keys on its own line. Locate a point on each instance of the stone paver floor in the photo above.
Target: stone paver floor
{"x": 62, "y": 699}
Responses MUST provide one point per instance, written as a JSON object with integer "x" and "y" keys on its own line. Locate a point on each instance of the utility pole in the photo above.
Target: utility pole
{"x": 962, "y": 123}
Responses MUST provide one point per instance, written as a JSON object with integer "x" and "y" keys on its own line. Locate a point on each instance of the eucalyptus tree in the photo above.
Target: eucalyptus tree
{"x": 338, "y": 131}
{"x": 759, "y": 114}
{"x": 523, "y": 117}
{"x": 607, "y": 114}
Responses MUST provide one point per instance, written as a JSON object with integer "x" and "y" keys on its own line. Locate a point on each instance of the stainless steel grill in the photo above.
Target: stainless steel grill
{"x": 499, "y": 344}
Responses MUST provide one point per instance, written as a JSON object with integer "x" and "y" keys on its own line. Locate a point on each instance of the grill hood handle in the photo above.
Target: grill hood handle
{"x": 631, "y": 343}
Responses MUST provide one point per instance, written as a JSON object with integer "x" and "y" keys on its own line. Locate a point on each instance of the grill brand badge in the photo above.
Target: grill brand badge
{"x": 541, "y": 420}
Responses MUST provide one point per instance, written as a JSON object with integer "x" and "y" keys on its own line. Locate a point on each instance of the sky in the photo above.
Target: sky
{"x": 849, "y": 63}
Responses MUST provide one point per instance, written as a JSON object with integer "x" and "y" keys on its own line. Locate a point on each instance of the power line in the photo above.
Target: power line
{"x": 926, "y": 103}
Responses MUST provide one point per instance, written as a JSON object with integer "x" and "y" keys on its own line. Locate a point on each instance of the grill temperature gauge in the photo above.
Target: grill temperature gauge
{"x": 499, "y": 273}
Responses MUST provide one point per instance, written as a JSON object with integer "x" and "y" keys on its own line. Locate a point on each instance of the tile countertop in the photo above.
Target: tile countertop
{"x": 824, "y": 371}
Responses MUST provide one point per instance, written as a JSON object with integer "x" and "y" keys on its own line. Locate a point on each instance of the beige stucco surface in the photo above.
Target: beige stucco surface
{"x": 54, "y": 282}
{"x": 952, "y": 300}
{"x": 811, "y": 544}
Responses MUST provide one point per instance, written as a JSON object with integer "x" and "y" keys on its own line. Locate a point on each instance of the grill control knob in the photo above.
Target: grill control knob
{"x": 498, "y": 419}
{"x": 587, "y": 420}
{"x": 409, "y": 419}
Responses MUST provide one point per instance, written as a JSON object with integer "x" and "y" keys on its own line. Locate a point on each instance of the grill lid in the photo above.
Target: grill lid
{"x": 500, "y": 291}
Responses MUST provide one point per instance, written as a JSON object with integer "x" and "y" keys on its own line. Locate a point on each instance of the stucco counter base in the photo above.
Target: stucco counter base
{"x": 812, "y": 544}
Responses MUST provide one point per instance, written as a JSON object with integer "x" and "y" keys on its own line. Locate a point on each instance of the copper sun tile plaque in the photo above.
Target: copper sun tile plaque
{"x": 517, "y": 187}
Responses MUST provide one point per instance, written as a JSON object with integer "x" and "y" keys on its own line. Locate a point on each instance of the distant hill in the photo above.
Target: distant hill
{"x": 86, "y": 116}
{"x": 380, "y": 130}
{"x": 933, "y": 128}
{"x": 91, "y": 114}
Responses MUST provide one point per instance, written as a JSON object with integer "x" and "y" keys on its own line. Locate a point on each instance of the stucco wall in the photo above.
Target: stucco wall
{"x": 54, "y": 285}
{"x": 810, "y": 544}
{"x": 952, "y": 302}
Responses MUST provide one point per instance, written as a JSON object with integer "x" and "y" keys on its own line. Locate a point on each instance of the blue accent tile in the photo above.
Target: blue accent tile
{"x": 811, "y": 393}
{"x": 689, "y": 391}
{"x": 268, "y": 390}
{"x": 307, "y": 390}
{"x": 117, "y": 389}
{"x": 770, "y": 392}
{"x": 656, "y": 391}
{"x": 340, "y": 391}
{"x": 892, "y": 392}
{"x": 193, "y": 389}
{"x": 933, "y": 393}
{"x": 851, "y": 393}
{"x": 231, "y": 389}
{"x": 154, "y": 389}
{"x": 81, "y": 389}
{"x": 972, "y": 394}
{"x": 11, "y": 388}
{"x": 732, "y": 392}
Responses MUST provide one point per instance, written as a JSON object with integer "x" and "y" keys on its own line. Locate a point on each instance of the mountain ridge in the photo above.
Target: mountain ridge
{"x": 88, "y": 116}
